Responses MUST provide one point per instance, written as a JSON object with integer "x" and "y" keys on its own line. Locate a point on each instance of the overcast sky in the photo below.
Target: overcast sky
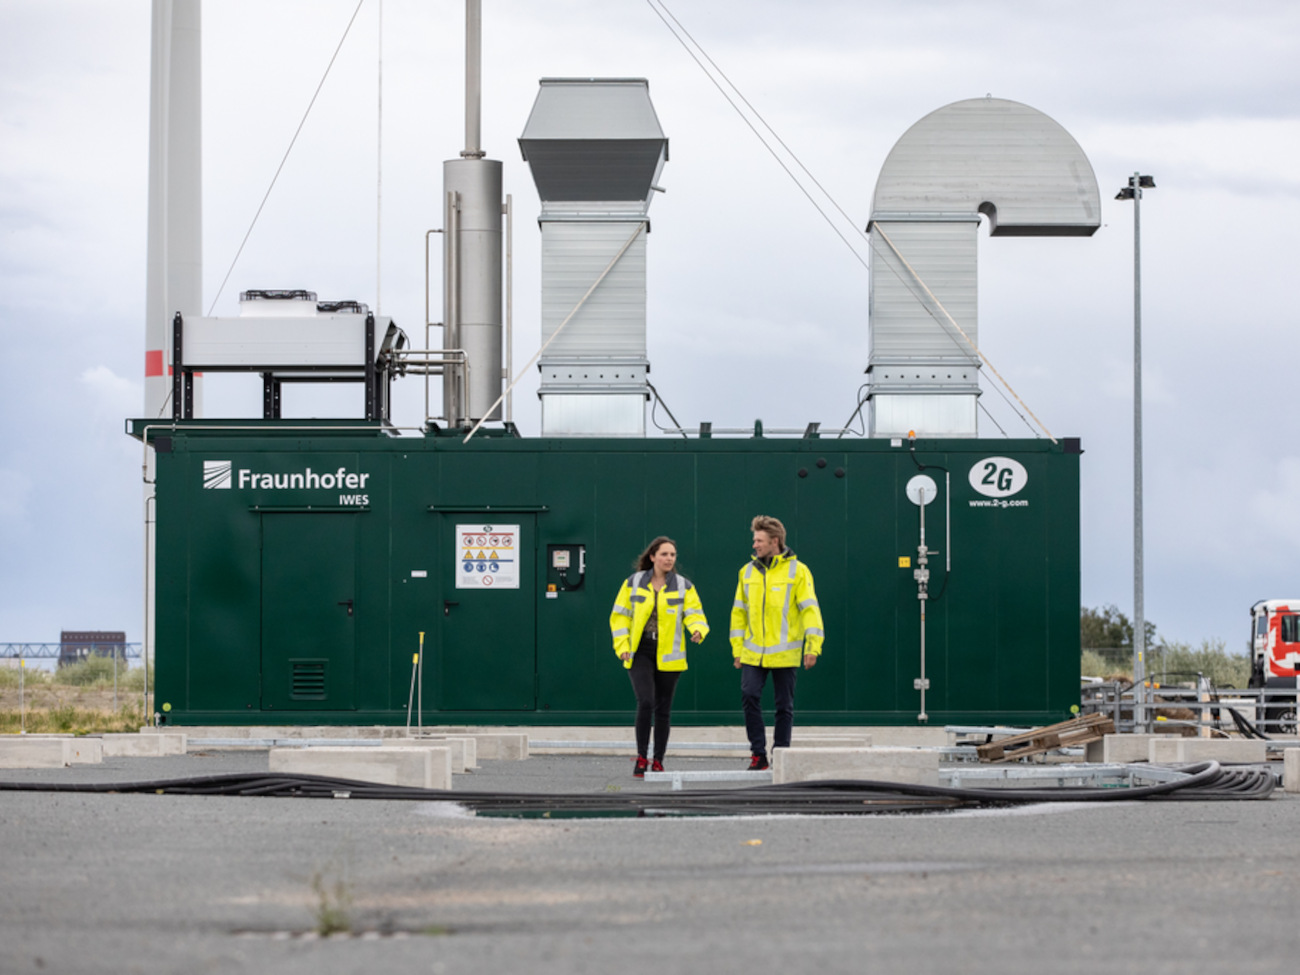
{"x": 756, "y": 308}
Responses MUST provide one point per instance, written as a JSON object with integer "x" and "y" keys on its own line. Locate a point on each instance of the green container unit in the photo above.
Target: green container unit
{"x": 297, "y": 567}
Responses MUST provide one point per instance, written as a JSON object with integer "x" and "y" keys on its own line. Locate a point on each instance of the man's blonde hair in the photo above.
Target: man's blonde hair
{"x": 773, "y": 527}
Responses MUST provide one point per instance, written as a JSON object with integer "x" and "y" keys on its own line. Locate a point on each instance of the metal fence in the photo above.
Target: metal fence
{"x": 62, "y": 651}
{"x": 1262, "y": 712}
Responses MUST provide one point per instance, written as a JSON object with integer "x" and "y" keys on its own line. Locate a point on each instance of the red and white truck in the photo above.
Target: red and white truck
{"x": 1275, "y": 658}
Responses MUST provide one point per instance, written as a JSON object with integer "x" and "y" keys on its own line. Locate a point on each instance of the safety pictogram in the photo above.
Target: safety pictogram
{"x": 487, "y": 557}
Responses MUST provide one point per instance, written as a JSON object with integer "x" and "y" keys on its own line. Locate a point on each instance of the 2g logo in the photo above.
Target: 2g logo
{"x": 998, "y": 477}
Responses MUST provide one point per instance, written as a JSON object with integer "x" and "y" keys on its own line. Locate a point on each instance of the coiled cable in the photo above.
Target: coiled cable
{"x": 1205, "y": 781}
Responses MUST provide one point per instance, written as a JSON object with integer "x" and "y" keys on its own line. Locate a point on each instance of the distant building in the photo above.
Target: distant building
{"x": 77, "y": 645}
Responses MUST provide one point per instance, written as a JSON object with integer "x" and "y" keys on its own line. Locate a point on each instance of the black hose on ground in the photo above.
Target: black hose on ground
{"x": 1206, "y": 781}
{"x": 1246, "y": 727}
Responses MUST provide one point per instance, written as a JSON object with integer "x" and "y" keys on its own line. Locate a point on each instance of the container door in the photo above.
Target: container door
{"x": 309, "y": 579}
{"x": 487, "y": 644}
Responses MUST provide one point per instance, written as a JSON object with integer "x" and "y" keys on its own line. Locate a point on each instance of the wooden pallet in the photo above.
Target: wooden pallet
{"x": 1076, "y": 731}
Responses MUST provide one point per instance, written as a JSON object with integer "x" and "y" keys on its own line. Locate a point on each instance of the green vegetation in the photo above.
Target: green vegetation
{"x": 91, "y": 671}
{"x": 333, "y": 902}
{"x": 1179, "y": 662}
{"x": 1106, "y": 636}
{"x": 72, "y": 719}
{"x": 78, "y": 698}
{"x": 1107, "y": 628}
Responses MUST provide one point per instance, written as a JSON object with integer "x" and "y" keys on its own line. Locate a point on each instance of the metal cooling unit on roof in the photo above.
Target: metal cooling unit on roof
{"x": 983, "y": 156}
{"x": 595, "y": 148}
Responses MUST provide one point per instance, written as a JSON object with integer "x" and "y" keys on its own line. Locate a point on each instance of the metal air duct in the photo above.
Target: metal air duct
{"x": 986, "y": 156}
{"x": 595, "y": 149}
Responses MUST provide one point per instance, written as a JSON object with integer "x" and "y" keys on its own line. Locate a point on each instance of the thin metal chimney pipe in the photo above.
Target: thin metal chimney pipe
{"x": 472, "y": 257}
{"x": 473, "y": 79}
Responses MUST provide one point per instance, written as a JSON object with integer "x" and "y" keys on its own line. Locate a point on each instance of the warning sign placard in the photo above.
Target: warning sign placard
{"x": 487, "y": 556}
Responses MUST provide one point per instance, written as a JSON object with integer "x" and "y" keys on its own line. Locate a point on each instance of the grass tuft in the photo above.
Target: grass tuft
{"x": 333, "y": 904}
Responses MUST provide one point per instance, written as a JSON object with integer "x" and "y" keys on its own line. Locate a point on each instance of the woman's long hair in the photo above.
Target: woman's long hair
{"x": 646, "y": 561}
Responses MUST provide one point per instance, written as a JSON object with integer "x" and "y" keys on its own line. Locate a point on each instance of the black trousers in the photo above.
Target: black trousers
{"x": 752, "y": 679}
{"x": 654, "y": 700}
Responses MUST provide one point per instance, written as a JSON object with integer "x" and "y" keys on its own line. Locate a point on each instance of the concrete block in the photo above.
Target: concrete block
{"x": 19, "y": 751}
{"x": 468, "y": 745}
{"x": 910, "y": 765}
{"x": 1181, "y": 751}
{"x": 460, "y": 748}
{"x": 151, "y": 745}
{"x": 421, "y": 768}
{"x": 831, "y": 741}
{"x": 501, "y": 745}
{"x": 1291, "y": 770}
{"x": 85, "y": 751}
{"x": 1121, "y": 749}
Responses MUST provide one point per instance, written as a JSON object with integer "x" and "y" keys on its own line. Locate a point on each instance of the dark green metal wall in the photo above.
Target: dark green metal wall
{"x": 254, "y": 623}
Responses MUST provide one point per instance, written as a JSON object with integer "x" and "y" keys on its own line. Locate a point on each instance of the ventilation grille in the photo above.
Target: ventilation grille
{"x": 308, "y": 680}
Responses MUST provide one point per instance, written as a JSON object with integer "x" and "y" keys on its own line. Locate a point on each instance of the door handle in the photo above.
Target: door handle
{"x": 347, "y": 603}
{"x": 447, "y": 604}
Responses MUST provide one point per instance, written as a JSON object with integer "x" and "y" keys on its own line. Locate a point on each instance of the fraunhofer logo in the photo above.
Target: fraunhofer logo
{"x": 216, "y": 473}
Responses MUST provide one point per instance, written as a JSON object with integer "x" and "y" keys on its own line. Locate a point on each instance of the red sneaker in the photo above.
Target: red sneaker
{"x": 641, "y": 765}
{"x": 656, "y": 766}
{"x": 758, "y": 763}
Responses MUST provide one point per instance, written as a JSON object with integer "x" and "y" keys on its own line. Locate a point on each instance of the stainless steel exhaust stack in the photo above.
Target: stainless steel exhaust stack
{"x": 472, "y": 221}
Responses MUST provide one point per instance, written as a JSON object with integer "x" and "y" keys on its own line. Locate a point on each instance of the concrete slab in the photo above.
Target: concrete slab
{"x": 1177, "y": 751}
{"x": 1121, "y": 749}
{"x": 459, "y": 748}
{"x": 1291, "y": 770}
{"x": 20, "y": 751}
{"x": 145, "y": 745}
{"x": 911, "y": 765}
{"x": 423, "y": 768}
{"x": 677, "y": 778}
{"x": 468, "y": 745}
{"x": 85, "y": 751}
{"x": 830, "y": 741}
{"x": 501, "y": 745}
{"x": 687, "y": 740}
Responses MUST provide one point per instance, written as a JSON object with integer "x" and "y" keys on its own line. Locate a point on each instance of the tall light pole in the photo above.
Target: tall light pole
{"x": 1133, "y": 191}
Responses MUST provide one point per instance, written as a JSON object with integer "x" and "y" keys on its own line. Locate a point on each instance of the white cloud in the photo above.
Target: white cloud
{"x": 111, "y": 392}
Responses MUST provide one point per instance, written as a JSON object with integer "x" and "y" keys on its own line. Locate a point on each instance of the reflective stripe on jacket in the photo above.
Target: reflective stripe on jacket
{"x": 775, "y": 618}
{"x": 680, "y": 614}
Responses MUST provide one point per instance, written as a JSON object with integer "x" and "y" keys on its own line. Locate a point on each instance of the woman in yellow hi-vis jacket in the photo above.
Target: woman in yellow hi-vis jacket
{"x": 655, "y": 613}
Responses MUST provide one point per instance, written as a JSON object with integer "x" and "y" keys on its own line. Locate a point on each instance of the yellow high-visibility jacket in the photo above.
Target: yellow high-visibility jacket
{"x": 775, "y": 618}
{"x": 680, "y": 613}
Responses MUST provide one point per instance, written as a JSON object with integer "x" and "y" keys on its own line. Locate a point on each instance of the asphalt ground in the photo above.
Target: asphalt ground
{"x": 153, "y": 883}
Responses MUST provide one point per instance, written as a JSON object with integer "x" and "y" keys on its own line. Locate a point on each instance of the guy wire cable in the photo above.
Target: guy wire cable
{"x": 297, "y": 132}
{"x": 953, "y": 321}
{"x": 744, "y": 118}
{"x": 658, "y": 400}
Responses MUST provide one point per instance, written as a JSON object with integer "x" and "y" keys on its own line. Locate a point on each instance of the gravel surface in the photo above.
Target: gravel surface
{"x": 124, "y": 883}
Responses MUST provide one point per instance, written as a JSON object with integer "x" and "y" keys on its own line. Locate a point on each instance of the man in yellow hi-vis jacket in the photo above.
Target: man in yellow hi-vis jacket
{"x": 776, "y": 624}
